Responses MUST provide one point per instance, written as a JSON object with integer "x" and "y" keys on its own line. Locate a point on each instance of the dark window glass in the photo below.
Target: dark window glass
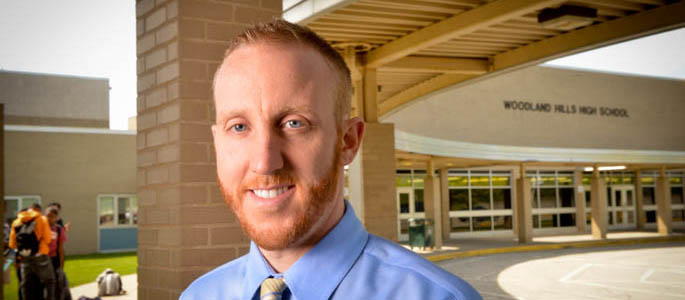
{"x": 534, "y": 197}
{"x": 588, "y": 218}
{"x": 404, "y": 203}
{"x": 501, "y": 198}
{"x": 502, "y": 222}
{"x": 404, "y": 226}
{"x": 459, "y": 200}
{"x": 678, "y": 215}
{"x": 588, "y": 198}
{"x": 480, "y": 199}
{"x": 481, "y": 223}
{"x": 567, "y": 220}
{"x": 651, "y": 216}
{"x": 648, "y": 195}
{"x": 548, "y": 221}
{"x": 608, "y": 197}
{"x": 617, "y": 198}
{"x": 567, "y": 197}
{"x": 611, "y": 218}
{"x": 536, "y": 221}
{"x": 548, "y": 198}
{"x": 677, "y": 195}
{"x": 418, "y": 200}
{"x": 460, "y": 224}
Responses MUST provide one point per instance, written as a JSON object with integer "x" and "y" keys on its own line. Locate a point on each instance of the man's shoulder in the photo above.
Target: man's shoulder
{"x": 413, "y": 273}
{"x": 224, "y": 282}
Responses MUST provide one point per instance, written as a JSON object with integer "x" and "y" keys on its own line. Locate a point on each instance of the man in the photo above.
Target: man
{"x": 282, "y": 137}
{"x": 30, "y": 236}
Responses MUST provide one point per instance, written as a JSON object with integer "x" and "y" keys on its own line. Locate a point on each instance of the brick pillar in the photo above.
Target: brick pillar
{"x": 523, "y": 208}
{"x": 580, "y": 202}
{"x": 445, "y": 203}
{"x": 432, "y": 203}
{"x": 378, "y": 192}
{"x": 664, "y": 216}
{"x": 598, "y": 202}
{"x": 184, "y": 229}
{"x": 2, "y": 185}
{"x": 639, "y": 202}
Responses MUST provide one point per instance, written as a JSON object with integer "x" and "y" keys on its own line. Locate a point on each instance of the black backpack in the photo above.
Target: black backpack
{"x": 26, "y": 237}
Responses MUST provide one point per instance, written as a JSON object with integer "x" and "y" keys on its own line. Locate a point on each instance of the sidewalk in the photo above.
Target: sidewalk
{"x": 90, "y": 290}
{"x": 465, "y": 247}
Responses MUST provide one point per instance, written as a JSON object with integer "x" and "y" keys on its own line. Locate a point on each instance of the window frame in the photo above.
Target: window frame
{"x": 115, "y": 212}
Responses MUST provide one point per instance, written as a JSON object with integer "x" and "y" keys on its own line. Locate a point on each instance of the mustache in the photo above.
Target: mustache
{"x": 279, "y": 178}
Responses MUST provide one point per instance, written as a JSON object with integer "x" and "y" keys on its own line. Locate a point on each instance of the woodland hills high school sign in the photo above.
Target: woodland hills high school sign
{"x": 570, "y": 109}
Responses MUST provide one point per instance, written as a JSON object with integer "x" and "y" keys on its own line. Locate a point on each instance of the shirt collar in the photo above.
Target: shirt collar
{"x": 319, "y": 271}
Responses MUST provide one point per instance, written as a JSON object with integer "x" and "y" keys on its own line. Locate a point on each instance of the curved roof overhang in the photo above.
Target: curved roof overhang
{"x": 421, "y": 46}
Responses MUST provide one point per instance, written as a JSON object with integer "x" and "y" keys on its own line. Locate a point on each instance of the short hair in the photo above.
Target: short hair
{"x": 56, "y": 204}
{"x": 52, "y": 210}
{"x": 283, "y": 32}
{"x": 35, "y": 206}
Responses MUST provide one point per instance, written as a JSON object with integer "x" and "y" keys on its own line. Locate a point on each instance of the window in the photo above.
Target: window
{"x": 16, "y": 203}
{"x": 479, "y": 200}
{"x": 648, "y": 196}
{"x": 117, "y": 210}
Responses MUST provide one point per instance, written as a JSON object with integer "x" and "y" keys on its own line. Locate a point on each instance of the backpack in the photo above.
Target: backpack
{"x": 109, "y": 283}
{"x": 26, "y": 236}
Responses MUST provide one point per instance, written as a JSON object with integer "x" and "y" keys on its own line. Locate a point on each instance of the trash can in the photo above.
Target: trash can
{"x": 421, "y": 233}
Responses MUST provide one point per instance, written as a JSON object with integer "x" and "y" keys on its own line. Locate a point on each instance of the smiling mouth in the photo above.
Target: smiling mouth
{"x": 270, "y": 193}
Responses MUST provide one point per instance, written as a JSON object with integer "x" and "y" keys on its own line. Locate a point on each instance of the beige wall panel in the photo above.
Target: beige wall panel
{"x": 72, "y": 169}
{"x": 476, "y": 113}
{"x": 41, "y": 99}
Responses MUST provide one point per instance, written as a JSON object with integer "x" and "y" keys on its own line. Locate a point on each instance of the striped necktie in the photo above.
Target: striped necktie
{"x": 272, "y": 289}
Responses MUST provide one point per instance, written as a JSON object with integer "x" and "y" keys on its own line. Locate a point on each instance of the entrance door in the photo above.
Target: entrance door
{"x": 622, "y": 207}
{"x": 407, "y": 207}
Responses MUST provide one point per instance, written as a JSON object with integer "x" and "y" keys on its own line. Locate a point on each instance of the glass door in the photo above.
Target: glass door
{"x": 622, "y": 207}
{"x": 408, "y": 206}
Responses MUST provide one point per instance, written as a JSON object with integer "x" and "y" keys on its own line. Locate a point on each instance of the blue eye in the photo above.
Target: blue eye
{"x": 239, "y": 127}
{"x": 293, "y": 124}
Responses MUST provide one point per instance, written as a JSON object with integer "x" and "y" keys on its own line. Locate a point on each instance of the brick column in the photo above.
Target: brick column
{"x": 2, "y": 185}
{"x": 432, "y": 203}
{"x": 445, "y": 204}
{"x": 580, "y": 202}
{"x": 664, "y": 215}
{"x": 598, "y": 202}
{"x": 639, "y": 202}
{"x": 523, "y": 210}
{"x": 378, "y": 192}
{"x": 184, "y": 229}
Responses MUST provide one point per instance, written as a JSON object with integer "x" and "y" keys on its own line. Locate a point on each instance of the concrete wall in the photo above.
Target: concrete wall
{"x": 71, "y": 169}
{"x": 54, "y": 100}
{"x": 476, "y": 113}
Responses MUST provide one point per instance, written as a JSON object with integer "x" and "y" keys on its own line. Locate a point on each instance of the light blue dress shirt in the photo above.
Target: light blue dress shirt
{"x": 348, "y": 263}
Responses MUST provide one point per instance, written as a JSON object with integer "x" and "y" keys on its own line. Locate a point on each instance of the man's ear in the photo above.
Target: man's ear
{"x": 353, "y": 132}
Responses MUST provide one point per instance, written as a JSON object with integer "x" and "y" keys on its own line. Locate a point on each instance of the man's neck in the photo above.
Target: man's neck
{"x": 281, "y": 260}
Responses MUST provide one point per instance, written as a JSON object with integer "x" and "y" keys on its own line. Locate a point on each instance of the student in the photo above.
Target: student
{"x": 32, "y": 252}
{"x": 56, "y": 246}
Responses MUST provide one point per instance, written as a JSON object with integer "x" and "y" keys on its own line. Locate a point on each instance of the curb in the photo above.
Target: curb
{"x": 555, "y": 246}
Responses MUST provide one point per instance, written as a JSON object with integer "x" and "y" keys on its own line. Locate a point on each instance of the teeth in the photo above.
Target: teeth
{"x": 270, "y": 193}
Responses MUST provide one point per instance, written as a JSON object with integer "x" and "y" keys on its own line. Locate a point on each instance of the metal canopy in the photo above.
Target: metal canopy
{"x": 421, "y": 46}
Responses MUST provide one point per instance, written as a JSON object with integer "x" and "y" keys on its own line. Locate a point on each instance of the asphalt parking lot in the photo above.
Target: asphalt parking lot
{"x": 647, "y": 271}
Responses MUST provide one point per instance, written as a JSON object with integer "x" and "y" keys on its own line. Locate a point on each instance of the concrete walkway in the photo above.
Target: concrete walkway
{"x": 90, "y": 290}
{"x": 467, "y": 247}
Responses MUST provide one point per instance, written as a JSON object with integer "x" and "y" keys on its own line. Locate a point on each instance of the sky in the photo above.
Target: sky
{"x": 96, "y": 38}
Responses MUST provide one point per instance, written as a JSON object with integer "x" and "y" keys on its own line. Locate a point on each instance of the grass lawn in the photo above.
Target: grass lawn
{"x": 83, "y": 269}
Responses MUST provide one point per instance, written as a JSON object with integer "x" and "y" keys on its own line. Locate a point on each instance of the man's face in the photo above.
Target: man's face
{"x": 277, "y": 143}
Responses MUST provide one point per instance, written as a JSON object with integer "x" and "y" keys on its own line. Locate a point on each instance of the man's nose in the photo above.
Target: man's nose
{"x": 267, "y": 157}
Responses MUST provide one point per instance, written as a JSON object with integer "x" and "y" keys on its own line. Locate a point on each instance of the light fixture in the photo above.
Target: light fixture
{"x": 567, "y": 17}
{"x": 607, "y": 168}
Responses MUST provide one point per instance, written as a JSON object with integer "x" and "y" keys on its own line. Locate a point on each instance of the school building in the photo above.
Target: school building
{"x": 462, "y": 126}
{"x": 58, "y": 148}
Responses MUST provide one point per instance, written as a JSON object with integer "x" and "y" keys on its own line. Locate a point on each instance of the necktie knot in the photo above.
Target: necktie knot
{"x": 272, "y": 289}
